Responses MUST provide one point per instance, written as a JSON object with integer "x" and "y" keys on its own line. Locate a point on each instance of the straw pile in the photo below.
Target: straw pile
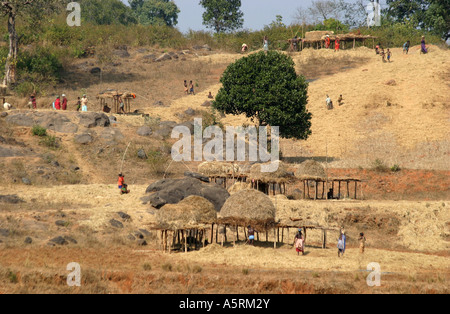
{"x": 217, "y": 168}
{"x": 317, "y": 35}
{"x": 248, "y": 207}
{"x": 192, "y": 212}
{"x": 281, "y": 175}
{"x": 310, "y": 169}
{"x": 239, "y": 186}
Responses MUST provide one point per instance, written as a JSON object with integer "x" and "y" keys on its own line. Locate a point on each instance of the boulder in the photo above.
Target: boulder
{"x": 116, "y": 223}
{"x": 171, "y": 191}
{"x": 163, "y": 57}
{"x": 26, "y": 181}
{"x": 93, "y": 119}
{"x": 141, "y": 154}
{"x": 95, "y": 70}
{"x": 28, "y": 240}
{"x": 196, "y": 176}
{"x": 84, "y": 138}
{"x": 124, "y": 216}
{"x": 58, "y": 240}
{"x": 121, "y": 53}
{"x": 11, "y": 199}
{"x": 144, "y": 131}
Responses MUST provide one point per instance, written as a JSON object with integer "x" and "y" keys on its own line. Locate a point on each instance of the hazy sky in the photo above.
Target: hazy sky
{"x": 257, "y": 13}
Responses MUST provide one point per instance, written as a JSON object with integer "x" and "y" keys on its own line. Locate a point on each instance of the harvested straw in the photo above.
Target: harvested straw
{"x": 193, "y": 211}
{"x": 239, "y": 186}
{"x": 217, "y": 168}
{"x": 310, "y": 169}
{"x": 248, "y": 207}
{"x": 317, "y": 35}
{"x": 279, "y": 176}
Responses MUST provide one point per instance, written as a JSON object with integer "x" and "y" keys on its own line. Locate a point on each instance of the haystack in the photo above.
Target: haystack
{"x": 239, "y": 186}
{"x": 310, "y": 169}
{"x": 192, "y": 212}
{"x": 317, "y": 35}
{"x": 217, "y": 168}
{"x": 281, "y": 175}
{"x": 248, "y": 207}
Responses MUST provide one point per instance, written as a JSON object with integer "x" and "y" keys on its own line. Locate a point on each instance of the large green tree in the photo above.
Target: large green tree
{"x": 13, "y": 10}
{"x": 106, "y": 12}
{"x": 222, "y": 15}
{"x": 155, "y": 12}
{"x": 266, "y": 88}
{"x": 430, "y": 15}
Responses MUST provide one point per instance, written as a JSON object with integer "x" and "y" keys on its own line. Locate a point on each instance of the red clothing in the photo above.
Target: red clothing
{"x": 327, "y": 42}
{"x": 121, "y": 181}
{"x": 336, "y": 45}
{"x": 64, "y": 104}
{"x": 57, "y": 104}
{"x": 33, "y": 101}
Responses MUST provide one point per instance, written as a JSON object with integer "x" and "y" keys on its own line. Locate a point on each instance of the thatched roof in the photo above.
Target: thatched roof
{"x": 310, "y": 169}
{"x": 248, "y": 207}
{"x": 217, "y": 168}
{"x": 191, "y": 212}
{"x": 280, "y": 175}
{"x": 110, "y": 93}
{"x": 317, "y": 35}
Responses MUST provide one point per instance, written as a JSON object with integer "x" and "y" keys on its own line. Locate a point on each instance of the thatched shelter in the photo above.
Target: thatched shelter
{"x": 317, "y": 39}
{"x": 190, "y": 215}
{"x": 263, "y": 181}
{"x": 221, "y": 172}
{"x": 312, "y": 172}
{"x": 115, "y": 96}
{"x": 248, "y": 207}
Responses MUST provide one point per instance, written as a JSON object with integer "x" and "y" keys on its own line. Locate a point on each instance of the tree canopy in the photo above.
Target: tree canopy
{"x": 266, "y": 88}
{"x": 222, "y": 15}
{"x": 106, "y": 12}
{"x": 155, "y": 12}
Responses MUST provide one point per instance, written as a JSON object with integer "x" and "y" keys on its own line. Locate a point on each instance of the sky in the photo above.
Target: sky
{"x": 257, "y": 13}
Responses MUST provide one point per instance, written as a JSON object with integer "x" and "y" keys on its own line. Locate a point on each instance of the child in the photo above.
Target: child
{"x": 299, "y": 242}
{"x": 383, "y": 55}
{"x": 341, "y": 246}
{"x": 122, "y": 185}
{"x": 388, "y": 54}
{"x": 340, "y": 100}
{"x": 406, "y": 47}
{"x": 79, "y": 104}
{"x": 186, "y": 90}
{"x": 362, "y": 242}
{"x": 191, "y": 88}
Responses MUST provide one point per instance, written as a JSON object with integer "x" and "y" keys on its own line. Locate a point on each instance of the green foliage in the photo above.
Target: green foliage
{"x": 266, "y": 88}
{"x": 41, "y": 61}
{"x": 106, "y": 12}
{"x": 379, "y": 166}
{"x": 222, "y": 15}
{"x": 332, "y": 25}
{"x": 38, "y": 130}
{"x": 430, "y": 15}
{"x": 156, "y": 12}
{"x": 50, "y": 141}
{"x": 395, "y": 168}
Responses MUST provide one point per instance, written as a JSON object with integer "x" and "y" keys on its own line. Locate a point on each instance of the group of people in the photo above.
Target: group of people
{"x": 387, "y": 55}
{"x": 329, "y": 102}
{"x": 60, "y": 103}
{"x": 300, "y": 240}
{"x": 189, "y": 89}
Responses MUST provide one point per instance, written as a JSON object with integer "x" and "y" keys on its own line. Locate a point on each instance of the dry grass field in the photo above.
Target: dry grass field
{"x": 396, "y": 113}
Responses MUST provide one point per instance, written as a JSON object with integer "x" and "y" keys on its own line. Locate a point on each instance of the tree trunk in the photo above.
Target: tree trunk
{"x": 10, "y": 67}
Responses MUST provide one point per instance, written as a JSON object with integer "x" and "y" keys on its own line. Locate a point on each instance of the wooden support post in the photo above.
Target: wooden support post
{"x": 217, "y": 234}
{"x": 274, "y": 239}
{"x": 211, "y": 239}
{"x": 278, "y": 234}
{"x": 237, "y": 233}
{"x": 267, "y": 236}
{"x": 184, "y": 233}
{"x": 324, "y": 238}
{"x": 356, "y": 185}
{"x": 339, "y": 189}
{"x": 354, "y": 43}
{"x": 304, "y": 189}
{"x": 282, "y": 235}
{"x": 348, "y": 191}
{"x": 315, "y": 189}
{"x": 225, "y": 232}
{"x": 257, "y": 236}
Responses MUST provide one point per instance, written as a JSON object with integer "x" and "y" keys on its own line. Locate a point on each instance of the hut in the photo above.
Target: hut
{"x": 317, "y": 39}
{"x": 311, "y": 172}
{"x": 347, "y": 187}
{"x": 264, "y": 181}
{"x": 221, "y": 172}
{"x": 189, "y": 218}
{"x": 115, "y": 96}
{"x": 247, "y": 207}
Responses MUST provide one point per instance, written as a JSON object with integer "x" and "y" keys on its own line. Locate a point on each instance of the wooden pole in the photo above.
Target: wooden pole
{"x": 348, "y": 191}
{"x": 211, "y": 239}
{"x": 274, "y": 239}
{"x": 315, "y": 189}
{"x": 339, "y": 189}
{"x": 185, "y": 240}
